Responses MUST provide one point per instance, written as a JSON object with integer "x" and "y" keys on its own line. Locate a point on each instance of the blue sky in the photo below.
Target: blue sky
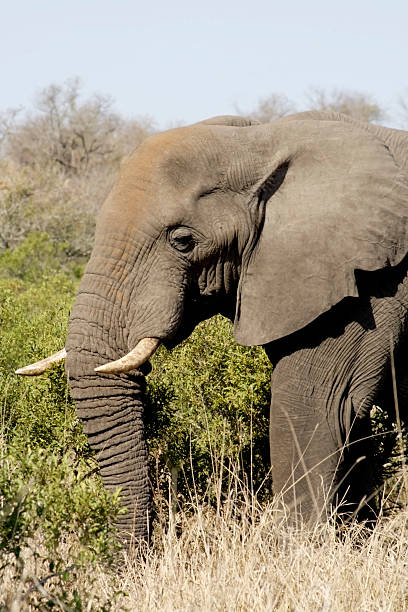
{"x": 180, "y": 60}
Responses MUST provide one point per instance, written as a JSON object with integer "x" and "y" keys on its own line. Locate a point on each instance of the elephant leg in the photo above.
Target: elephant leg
{"x": 304, "y": 449}
{"x": 323, "y": 389}
{"x": 321, "y": 452}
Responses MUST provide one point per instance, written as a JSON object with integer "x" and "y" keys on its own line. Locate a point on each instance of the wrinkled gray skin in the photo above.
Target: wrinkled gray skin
{"x": 295, "y": 230}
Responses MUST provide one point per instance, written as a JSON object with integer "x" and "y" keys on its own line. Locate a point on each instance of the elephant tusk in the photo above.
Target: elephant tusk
{"x": 39, "y": 367}
{"x": 144, "y": 349}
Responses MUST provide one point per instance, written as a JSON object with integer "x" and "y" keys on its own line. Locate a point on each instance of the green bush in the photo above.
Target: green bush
{"x": 208, "y": 409}
{"x": 54, "y": 512}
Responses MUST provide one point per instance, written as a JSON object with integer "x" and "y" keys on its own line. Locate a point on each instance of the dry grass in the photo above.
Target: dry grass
{"x": 248, "y": 558}
{"x": 258, "y": 563}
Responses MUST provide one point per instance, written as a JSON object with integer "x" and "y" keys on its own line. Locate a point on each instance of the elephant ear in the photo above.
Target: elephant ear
{"x": 342, "y": 206}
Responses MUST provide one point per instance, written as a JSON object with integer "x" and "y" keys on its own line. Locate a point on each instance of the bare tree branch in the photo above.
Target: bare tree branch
{"x": 354, "y": 103}
{"x": 74, "y": 134}
{"x": 269, "y": 108}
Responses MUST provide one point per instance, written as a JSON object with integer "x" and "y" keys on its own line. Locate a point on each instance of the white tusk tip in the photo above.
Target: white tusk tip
{"x": 35, "y": 369}
{"x": 106, "y": 369}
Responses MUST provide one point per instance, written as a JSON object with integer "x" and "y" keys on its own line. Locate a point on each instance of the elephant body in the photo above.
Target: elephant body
{"x": 298, "y": 232}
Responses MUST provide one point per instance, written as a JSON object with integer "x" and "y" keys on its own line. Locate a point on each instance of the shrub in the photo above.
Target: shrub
{"x": 44, "y": 200}
{"x": 54, "y": 512}
{"x": 208, "y": 405}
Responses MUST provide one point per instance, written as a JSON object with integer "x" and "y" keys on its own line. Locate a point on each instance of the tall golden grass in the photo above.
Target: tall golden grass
{"x": 241, "y": 555}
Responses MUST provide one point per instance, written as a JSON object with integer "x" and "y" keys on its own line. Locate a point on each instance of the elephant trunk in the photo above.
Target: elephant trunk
{"x": 110, "y": 406}
{"x": 111, "y": 411}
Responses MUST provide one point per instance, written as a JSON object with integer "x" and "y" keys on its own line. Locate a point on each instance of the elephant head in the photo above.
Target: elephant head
{"x": 265, "y": 224}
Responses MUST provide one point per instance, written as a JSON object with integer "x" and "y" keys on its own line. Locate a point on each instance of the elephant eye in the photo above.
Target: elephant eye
{"x": 181, "y": 238}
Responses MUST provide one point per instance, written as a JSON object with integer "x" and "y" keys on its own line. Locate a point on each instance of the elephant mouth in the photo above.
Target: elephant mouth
{"x": 198, "y": 309}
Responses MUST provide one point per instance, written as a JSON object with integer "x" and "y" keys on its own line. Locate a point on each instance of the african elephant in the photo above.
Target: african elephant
{"x": 298, "y": 232}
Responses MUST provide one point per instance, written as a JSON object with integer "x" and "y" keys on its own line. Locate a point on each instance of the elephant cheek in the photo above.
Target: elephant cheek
{"x": 111, "y": 410}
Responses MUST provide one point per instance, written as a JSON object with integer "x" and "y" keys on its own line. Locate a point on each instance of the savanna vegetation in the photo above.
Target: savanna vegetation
{"x": 219, "y": 542}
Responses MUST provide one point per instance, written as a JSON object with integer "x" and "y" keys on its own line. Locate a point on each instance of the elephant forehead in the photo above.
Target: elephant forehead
{"x": 158, "y": 184}
{"x": 179, "y": 158}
